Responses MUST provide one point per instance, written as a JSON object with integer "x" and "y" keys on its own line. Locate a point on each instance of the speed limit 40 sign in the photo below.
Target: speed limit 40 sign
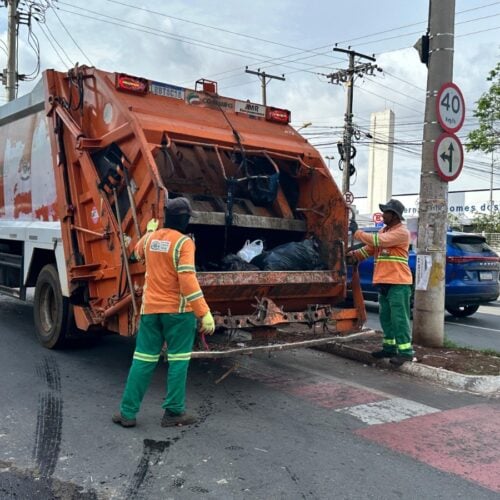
{"x": 450, "y": 107}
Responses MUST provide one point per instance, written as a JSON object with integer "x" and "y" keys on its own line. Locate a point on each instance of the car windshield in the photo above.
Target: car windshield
{"x": 470, "y": 243}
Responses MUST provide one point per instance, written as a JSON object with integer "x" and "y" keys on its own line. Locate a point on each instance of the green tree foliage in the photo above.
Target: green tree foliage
{"x": 454, "y": 222}
{"x": 486, "y": 137}
{"x": 489, "y": 223}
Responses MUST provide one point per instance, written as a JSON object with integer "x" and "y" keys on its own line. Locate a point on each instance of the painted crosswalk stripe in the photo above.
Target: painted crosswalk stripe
{"x": 389, "y": 410}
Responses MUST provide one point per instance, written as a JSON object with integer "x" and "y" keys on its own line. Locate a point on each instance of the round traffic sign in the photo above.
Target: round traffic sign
{"x": 378, "y": 217}
{"x": 448, "y": 157}
{"x": 450, "y": 107}
{"x": 349, "y": 197}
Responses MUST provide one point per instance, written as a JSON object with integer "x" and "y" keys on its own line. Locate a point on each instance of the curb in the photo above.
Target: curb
{"x": 478, "y": 384}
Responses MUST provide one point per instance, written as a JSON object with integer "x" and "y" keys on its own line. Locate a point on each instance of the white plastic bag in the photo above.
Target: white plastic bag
{"x": 251, "y": 250}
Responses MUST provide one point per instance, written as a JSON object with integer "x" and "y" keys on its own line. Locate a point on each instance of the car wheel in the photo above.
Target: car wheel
{"x": 463, "y": 311}
{"x": 52, "y": 311}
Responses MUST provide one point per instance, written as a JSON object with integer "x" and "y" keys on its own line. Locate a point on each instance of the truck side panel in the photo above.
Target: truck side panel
{"x": 28, "y": 215}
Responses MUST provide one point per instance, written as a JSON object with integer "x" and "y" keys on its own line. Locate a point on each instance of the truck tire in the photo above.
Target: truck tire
{"x": 52, "y": 312}
{"x": 463, "y": 311}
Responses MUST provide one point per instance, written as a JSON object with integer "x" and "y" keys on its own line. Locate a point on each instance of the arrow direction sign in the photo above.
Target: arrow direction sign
{"x": 448, "y": 157}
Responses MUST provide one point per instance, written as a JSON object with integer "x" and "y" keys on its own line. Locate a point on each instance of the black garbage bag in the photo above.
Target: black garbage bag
{"x": 232, "y": 262}
{"x": 293, "y": 256}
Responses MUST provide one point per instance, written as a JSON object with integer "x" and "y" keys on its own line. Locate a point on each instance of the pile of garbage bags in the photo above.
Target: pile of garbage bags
{"x": 293, "y": 256}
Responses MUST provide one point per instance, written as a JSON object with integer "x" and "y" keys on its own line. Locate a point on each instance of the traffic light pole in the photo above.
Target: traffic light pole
{"x": 428, "y": 311}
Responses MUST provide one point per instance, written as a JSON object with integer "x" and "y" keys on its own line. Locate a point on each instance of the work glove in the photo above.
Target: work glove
{"x": 353, "y": 226}
{"x": 152, "y": 225}
{"x": 208, "y": 324}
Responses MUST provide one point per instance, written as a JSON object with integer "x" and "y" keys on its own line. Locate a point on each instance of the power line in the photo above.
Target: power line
{"x": 278, "y": 59}
{"x": 386, "y": 99}
{"x": 216, "y": 28}
{"x": 72, "y": 38}
{"x": 404, "y": 81}
{"x": 60, "y": 46}
{"x": 374, "y": 41}
{"x": 150, "y": 30}
{"x": 164, "y": 34}
{"x": 53, "y": 47}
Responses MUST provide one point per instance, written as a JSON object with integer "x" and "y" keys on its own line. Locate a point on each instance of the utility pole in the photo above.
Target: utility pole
{"x": 492, "y": 173}
{"x": 11, "y": 71}
{"x": 428, "y": 311}
{"x": 347, "y": 76}
{"x": 264, "y": 80}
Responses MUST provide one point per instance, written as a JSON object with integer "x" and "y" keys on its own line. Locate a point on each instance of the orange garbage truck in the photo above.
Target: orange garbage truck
{"x": 89, "y": 157}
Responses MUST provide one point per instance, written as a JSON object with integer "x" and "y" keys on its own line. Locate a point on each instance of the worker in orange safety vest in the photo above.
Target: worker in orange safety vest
{"x": 392, "y": 276}
{"x": 172, "y": 301}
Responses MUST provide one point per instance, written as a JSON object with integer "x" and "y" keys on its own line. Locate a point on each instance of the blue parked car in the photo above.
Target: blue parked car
{"x": 472, "y": 273}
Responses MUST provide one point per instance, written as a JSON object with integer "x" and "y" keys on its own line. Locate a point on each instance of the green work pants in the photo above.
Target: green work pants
{"x": 395, "y": 319}
{"x": 178, "y": 331}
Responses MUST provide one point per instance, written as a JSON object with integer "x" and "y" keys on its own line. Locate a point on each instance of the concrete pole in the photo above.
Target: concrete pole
{"x": 11, "y": 77}
{"x": 264, "y": 85}
{"x": 346, "y": 173}
{"x": 491, "y": 180}
{"x": 348, "y": 77}
{"x": 264, "y": 80}
{"x": 428, "y": 312}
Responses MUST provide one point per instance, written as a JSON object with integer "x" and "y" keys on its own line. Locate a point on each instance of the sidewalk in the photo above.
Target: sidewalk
{"x": 488, "y": 385}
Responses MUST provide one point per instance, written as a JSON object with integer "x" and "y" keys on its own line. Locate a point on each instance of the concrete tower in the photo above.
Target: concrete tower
{"x": 380, "y": 161}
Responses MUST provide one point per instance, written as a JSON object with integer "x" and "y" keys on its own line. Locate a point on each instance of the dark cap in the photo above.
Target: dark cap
{"x": 393, "y": 206}
{"x": 178, "y": 206}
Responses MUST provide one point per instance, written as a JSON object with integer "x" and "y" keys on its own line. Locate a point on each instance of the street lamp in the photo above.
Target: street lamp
{"x": 329, "y": 158}
{"x": 305, "y": 125}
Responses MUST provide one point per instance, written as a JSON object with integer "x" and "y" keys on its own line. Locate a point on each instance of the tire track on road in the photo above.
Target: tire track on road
{"x": 155, "y": 452}
{"x": 49, "y": 422}
{"x": 151, "y": 455}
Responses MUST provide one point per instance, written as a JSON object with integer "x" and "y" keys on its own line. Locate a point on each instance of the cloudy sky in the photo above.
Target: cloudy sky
{"x": 180, "y": 41}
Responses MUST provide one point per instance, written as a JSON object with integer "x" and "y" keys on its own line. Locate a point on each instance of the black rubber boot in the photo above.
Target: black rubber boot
{"x": 173, "y": 419}
{"x": 124, "y": 422}
{"x": 383, "y": 354}
{"x": 399, "y": 360}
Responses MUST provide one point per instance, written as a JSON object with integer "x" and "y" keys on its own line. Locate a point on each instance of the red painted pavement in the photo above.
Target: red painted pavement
{"x": 464, "y": 441}
{"x": 325, "y": 394}
{"x": 334, "y": 395}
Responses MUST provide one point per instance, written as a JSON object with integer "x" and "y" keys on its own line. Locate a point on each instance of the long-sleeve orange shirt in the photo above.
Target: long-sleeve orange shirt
{"x": 389, "y": 248}
{"x": 170, "y": 283}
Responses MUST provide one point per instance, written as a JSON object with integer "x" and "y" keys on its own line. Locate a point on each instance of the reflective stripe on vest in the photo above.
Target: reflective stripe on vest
{"x": 177, "y": 250}
{"x": 391, "y": 258}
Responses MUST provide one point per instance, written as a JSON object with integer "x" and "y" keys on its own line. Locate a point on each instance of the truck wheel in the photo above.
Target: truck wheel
{"x": 463, "y": 311}
{"x": 51, "y": 309}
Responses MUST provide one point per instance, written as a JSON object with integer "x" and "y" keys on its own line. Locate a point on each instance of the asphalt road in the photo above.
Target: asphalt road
{"x": 480, "y": 331}
{"x": 297, "y": 425}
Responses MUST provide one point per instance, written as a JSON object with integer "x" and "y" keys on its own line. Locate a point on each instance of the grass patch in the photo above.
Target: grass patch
{"x": 449, "y": 344}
